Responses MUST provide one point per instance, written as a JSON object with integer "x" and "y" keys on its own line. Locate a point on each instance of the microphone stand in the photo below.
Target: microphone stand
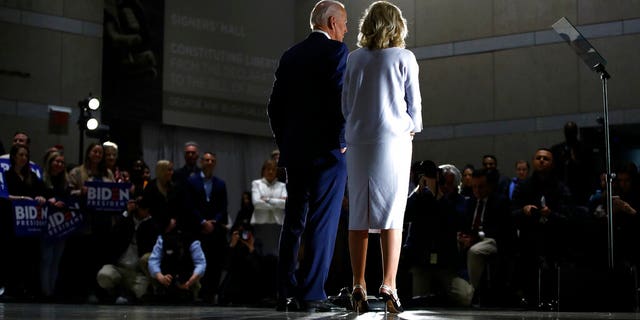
{"x": 604, "y": 76}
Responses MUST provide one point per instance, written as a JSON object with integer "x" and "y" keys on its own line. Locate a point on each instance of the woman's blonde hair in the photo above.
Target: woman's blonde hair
{"x": 162, "y": 166}
{"x": 382, "y": 26}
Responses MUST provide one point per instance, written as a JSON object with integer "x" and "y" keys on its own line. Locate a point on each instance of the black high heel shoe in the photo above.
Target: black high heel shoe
{"x": 359, "y": 299}
{"x": 391, "y": 300}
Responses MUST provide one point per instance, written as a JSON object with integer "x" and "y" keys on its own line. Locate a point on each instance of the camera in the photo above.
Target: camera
{"x": 426, "y": 168}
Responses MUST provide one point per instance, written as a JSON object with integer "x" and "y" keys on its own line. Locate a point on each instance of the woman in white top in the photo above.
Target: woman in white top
{"x": 381, "y": 104}
{"x": 268, "y": 196}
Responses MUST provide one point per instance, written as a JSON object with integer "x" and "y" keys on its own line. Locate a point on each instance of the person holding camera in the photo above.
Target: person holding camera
{"x": 176, "y": 265}
{"x": 540, "y": 207}
{"x": 430, "y": 252}
{"x": 243, "y": 281}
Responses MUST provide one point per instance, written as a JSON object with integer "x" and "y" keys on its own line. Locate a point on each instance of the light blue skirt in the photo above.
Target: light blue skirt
{"x": 378, "y": 178}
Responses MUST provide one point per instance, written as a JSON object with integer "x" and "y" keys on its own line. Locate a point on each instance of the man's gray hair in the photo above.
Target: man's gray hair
{"x": 449, "y": 168}
{"x": 191, "y": 143}
{"x": 322, "y": 11}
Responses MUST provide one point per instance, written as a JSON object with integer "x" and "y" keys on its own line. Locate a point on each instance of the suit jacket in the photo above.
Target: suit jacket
{"x": 432, "y": 231}
{"x": 542, "y": 236}
{"x": 496, "y": 223}
{"x": 215, "y": 208}
{"x": 304, "y": 108}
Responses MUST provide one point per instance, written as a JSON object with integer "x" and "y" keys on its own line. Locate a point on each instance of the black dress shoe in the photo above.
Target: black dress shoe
{"x": 289, "y": 304}
{"x": 321, "y": 306}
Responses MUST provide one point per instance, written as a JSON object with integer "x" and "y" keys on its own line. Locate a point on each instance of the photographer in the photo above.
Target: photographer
{"x": 176, "y": 264}
{"x": 430, "y": 252}
{"x": 242, "y": 281}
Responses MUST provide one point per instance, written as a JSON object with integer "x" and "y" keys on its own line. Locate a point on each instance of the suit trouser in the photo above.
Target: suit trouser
{"x": 315, "y": 194}
{"x": 112, "y": 276}
{"x": 477, "y": 258}
{"x": 428, "y": 279}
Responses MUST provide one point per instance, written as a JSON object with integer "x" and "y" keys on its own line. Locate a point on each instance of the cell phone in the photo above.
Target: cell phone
{"x": 245, "y": 235}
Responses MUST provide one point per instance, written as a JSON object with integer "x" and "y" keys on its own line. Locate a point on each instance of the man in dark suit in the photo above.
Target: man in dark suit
{"x": 207, "y": 203}
{"x": 190, "y": 167}
{"x": 541, "y": 208}
{"x": 306, "y": 120}
{"x": 486, "y": 227}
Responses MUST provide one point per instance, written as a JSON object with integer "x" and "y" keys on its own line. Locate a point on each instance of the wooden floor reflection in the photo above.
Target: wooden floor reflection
{"x": 30, "y": 311}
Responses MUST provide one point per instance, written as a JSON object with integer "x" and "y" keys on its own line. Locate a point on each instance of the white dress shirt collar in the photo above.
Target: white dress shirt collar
{"x": 323, "y": 32}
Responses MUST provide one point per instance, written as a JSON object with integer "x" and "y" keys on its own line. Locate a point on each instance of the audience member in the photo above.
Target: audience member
{"x": 485, "y": 228}
{"x": 20, "y": 137}
{"x": 490, "y": 162}
{"x": 111, "y": 159}
{"x": 281, "y": 172}
{"x": 56, "y": 183}
{"x": 208, "y": 219}
{"x": 244, "y": 281}
{"x": 541, "y": 205}
{"x": 138, "y": 180}
{"x": 268, "y": 196}
{"x": 94, "y": 168}
{"x": 160, "y": 194}
{"x": 176, "y": 265}
{"x": 132, "y": 239}
{"x": 245, "y": 213}
{"x": 448, "y": 182}
{"x": 466, "y": 189}
{"x": 191, "y": 155}
{"x": 626, "y": 221}
{"x": 574, "y": 164}
{"x": 430, "y": 251}
{"x": 23, "y": 252}
{"x": 91, "y": 239}
{"x": 522, "y": 172}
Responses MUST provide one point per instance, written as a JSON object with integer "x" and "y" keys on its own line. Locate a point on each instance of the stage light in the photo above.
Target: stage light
{"x": 92, "y": 124}
{"x": 88, "y": 123}
{"x": 93, "y": 103}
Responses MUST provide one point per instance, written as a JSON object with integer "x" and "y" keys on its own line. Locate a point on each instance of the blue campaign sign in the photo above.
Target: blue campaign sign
{"x": 107, "y": 196}
{"x": 5, "y": 164}
{"x": 30, "y": 218}
{"x": 3, "y": 187}
{"x": 64, "y": 221}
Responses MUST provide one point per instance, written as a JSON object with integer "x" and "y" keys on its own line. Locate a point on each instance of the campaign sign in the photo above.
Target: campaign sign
{"x": 3, "y": 187}
{"x": 30, "y": 218}
{"x": 5, "y": 164}
{"x": 107, "y": 196}
{"x": 64, "y": 221}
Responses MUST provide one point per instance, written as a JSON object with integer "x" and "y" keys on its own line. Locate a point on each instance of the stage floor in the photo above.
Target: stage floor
{"x": 30, "y": 311}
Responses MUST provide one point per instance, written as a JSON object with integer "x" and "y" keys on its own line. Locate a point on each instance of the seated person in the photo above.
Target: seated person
{"x": 540, "y": 207}
{"x": 486, "y": 235}
{"x": 133, "y": 237}
{"x": 176, "y": 265}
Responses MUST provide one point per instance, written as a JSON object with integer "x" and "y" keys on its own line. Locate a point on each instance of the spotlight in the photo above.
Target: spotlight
{"x": 93, "y": 103}
{"x": 92, "y": 124}
{"x": 86, "y": 121}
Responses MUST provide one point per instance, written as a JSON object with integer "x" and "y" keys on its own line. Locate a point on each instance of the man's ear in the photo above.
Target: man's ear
{"x": 330, "y": 22}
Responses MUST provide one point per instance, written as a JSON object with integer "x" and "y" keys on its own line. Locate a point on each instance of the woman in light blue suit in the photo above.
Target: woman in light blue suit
{"x": 381, "y": 104}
